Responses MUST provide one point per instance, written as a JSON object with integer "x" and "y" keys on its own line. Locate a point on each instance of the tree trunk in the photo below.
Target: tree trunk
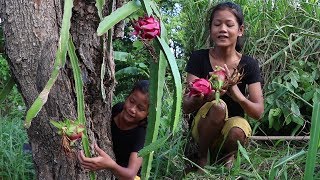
{"x": 31, "y": 30}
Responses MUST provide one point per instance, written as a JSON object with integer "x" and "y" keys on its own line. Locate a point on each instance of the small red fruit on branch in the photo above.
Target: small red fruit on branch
{"x": 147, "y": 27}
{"x": 70, "y": 130}
{"x": 75, "y": 136}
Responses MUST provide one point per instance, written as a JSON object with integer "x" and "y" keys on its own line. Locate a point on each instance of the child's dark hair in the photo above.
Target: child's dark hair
{"x": 142, "y": 86}
{"x": 237, "y": 11}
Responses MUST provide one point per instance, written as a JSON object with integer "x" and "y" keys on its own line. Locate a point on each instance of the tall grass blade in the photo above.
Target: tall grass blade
{"x": 59, "y": 63}
{"x": 116, "y": 16}
{"x": 153, "y": 146}
{"x": 14, "y": 162}
{"x": 246, "y": 156}
{"x": 273, "y": 172}
{"x": 177, "y": 100}
{"x": 314, "y": 138}
{"x": 275, "y": 168}
{"x": 289, "y": 158}
{"x": 80, "y": 98}
{"x": 7, "y": 89}
{"x": 282, "y": 51}
{"x": 199, "y": 167}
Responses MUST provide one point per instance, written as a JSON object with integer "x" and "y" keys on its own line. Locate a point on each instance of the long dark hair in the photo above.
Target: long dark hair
{"x": 142, "y": 85}
{"x": 234, "y": 9}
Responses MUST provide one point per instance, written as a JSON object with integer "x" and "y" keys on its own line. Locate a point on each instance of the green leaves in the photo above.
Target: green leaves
{"x": 65, "y": 44}
{"x": 273, "y": 115}
{"x": 153, "y": 146}
{"x": 78, "y": 81}
{"x": 118, "y": 15}
{"x": 246, "y": 156}
{"x": 7, "y": 89}
{"x": 157, "y": 77}
{"x": 68, "y": 127}
{"x": 59, "y": 63}
{"x": 177, "y": 83}
{"x": 289, "y": 158}
{"x": 291, "y": 92}
{"x": 58, "y": 124}
{"x": 281, "y": 163}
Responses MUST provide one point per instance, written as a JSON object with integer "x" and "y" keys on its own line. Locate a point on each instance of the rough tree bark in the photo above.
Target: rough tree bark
{"x": 31, "y": 30}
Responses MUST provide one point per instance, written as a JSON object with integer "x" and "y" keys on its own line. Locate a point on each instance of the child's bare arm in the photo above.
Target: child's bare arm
{"x": 104, "y": 161}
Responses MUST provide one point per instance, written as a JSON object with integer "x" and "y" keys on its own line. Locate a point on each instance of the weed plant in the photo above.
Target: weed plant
{"x": 14, "y": 162}
{"x": 12, "y": 105}
{"x": 284, "y": 159}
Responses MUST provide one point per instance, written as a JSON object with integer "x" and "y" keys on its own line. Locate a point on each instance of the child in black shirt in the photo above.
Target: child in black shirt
{"x": 128, "y": 129}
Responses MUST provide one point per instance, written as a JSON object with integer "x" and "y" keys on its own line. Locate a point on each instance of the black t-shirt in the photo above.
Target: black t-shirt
{"x": 125, "y": 141}
{"x": 199, "y": 65}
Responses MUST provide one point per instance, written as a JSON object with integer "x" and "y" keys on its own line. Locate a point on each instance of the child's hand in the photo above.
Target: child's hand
{"x": 102, "y": 161}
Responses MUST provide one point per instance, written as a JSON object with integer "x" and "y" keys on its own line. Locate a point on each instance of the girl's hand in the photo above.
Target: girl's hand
{"x": 102, "y": 161}
{"x": 233, "y": 91}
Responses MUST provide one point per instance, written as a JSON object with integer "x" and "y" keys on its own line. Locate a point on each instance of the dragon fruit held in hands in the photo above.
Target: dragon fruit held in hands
{"x": 200, "y": 86}
{"x": 219, "y": 80}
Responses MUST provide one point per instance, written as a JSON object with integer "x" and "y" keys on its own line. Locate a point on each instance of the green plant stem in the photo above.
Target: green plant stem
{"x": 283, "y": 50}
{"x": 157, "y": 71}
{"x": 121, "y": 13}
{"x": 100, "y": 4}
{"x": 217, "y": 96}
{"x": 177, "y": 97}
{"x": 295, "y": 95}
{"x": 106, "y": 47}
{"x": 80, "y": 99}
{"x": 59, "y": 63}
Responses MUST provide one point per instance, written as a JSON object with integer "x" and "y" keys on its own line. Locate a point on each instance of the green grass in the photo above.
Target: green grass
{"x": 289, "y": 158}
{"x": 14, "y": 163}
{"x": 169, "y": 159}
